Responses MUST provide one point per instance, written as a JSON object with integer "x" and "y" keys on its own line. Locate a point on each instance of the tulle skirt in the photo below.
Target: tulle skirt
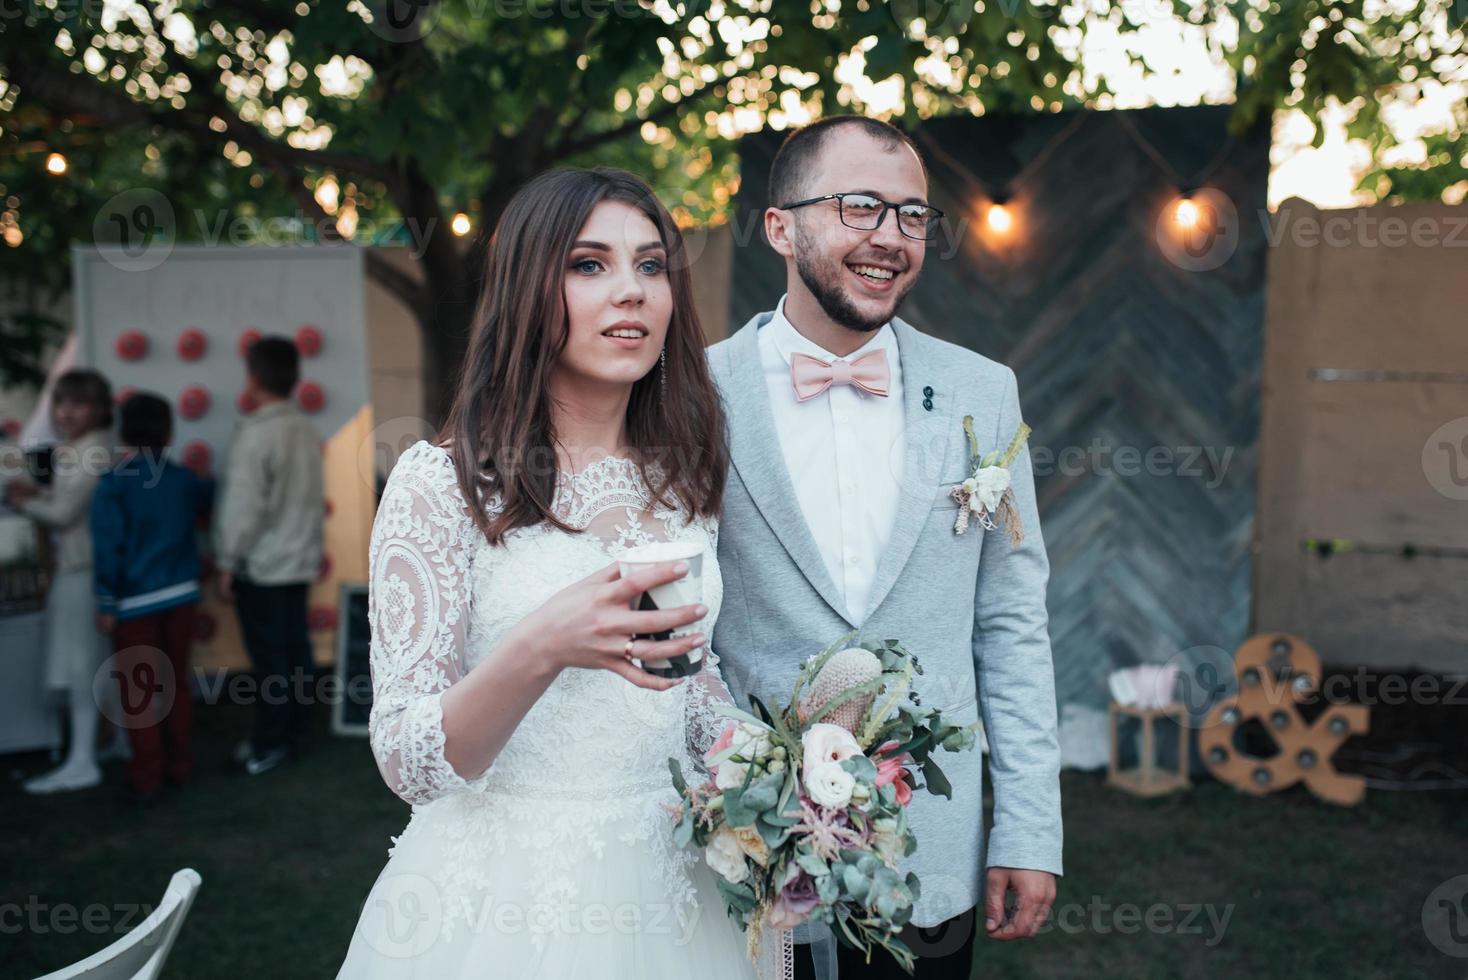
{"x": 544, "y": 892}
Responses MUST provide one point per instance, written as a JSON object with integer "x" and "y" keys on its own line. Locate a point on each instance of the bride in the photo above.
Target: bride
{"x": 507, "y": 707}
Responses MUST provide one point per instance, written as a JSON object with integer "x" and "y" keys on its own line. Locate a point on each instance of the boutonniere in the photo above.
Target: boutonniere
{"x": 988, "y": 493}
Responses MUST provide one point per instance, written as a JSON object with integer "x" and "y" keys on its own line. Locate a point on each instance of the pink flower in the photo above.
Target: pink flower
{"x": 794, "y": 903}
{"x": 725, "y": 739}
{"x": 891, "y": 769}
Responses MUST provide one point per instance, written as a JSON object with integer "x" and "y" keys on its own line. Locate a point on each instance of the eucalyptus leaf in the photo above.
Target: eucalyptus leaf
{"x": 936, "y": 782}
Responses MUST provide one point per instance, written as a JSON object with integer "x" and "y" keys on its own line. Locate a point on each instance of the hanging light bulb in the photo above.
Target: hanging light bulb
{"x": 55, "y": 164}
{"x": 1186, "y": 212}
{"x": 460, "y": 224}
{"x": 999, "y": 218}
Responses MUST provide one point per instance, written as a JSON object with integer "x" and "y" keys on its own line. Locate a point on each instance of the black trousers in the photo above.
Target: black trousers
{"x": 278, "y": 640}
{"x": 942, "y": 952}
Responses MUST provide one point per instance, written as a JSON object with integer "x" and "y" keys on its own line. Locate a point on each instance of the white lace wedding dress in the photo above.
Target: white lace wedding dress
{"x": 556, "y": 863}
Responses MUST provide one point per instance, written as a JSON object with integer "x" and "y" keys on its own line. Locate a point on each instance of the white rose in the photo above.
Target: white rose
{"x": 751, "y": 742}
{"x": 829, "y": 785}
{"x": 989, "y": 486}
{"x": 731, "y": 774}
{"x": 725, "y": 857}
{"x": 824, "y": 743}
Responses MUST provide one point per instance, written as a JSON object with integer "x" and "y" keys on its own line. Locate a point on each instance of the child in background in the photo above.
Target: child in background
{"x": 146, "y": 573}
{"x": 81, "y": 414}
{"x": 268, "y": 548}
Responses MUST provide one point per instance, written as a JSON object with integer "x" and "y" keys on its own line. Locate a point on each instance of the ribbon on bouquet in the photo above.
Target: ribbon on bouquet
{"x": 820, "y": 943}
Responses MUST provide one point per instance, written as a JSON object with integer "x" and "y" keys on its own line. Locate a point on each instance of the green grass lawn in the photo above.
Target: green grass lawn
{"x": 1308, "y": 890}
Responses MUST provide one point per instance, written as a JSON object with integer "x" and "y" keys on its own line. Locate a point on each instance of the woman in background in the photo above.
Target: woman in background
{"x": 81, "y": 413}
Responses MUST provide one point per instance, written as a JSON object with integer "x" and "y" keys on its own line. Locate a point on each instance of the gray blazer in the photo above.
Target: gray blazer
{"x": 970, "y": 607}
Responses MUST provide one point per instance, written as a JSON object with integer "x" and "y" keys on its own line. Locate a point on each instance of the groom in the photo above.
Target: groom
{"x": 847, "y": 438}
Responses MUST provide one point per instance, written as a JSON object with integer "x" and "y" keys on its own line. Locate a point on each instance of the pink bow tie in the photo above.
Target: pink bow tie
{"x": 811, "y": 375}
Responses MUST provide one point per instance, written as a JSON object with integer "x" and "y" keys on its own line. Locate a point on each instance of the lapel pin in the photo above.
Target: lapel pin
{"x": 928, "y": 397}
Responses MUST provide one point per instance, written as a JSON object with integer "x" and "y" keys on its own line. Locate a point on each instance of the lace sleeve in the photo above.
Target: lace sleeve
{"x": 705, "y": 690}
{"x": 419, "y": 560}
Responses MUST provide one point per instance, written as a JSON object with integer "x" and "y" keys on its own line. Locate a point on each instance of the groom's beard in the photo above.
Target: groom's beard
{"x": 823, "y": 277}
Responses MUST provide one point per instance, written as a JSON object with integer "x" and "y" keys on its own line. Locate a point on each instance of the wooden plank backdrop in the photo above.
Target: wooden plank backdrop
{"x": 1123, "y": 341}
{"x": 1366, "y": 434}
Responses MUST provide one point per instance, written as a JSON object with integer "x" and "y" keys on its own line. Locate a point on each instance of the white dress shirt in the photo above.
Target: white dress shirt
{"x": 844, "y": 452}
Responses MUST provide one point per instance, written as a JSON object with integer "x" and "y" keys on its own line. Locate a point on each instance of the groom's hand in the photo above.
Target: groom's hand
{"x": 1035, "y": 891}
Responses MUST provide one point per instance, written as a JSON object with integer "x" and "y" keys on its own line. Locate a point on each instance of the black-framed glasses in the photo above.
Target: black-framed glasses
{"x": 866, "y": 213}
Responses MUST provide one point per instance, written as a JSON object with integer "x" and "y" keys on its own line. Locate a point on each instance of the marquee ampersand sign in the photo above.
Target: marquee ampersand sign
{"x": 1278, "y": 672}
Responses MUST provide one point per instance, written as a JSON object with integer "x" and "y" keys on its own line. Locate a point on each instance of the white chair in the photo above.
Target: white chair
{"x": 140, "y": 954}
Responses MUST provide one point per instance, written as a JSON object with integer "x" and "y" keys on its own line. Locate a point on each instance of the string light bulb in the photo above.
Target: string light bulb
{"x": 1186, "y": 212}
{"x": 55, "y": 164}
{"x": 460, "y": 224}
{"x": 999, "y": 218}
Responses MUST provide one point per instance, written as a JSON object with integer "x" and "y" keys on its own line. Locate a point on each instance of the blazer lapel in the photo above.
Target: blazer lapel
{"x": 754, "y": 448}
{"x": 927, "y": 436}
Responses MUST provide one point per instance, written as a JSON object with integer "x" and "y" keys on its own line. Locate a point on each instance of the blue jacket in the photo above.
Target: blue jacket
{"x": 145, "y": 557}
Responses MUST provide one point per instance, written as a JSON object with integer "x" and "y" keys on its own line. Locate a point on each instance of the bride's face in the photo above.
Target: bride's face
{"x": 618, "y": 300}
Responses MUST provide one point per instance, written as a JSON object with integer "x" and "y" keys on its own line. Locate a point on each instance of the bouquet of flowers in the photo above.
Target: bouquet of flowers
{"x": 803, "y": 815}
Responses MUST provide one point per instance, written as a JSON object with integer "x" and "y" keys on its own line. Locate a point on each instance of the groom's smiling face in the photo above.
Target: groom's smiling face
{"x": 858, "y": 277}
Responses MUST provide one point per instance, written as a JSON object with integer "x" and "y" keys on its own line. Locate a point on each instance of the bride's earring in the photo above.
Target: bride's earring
{"x": 663, "y": 374}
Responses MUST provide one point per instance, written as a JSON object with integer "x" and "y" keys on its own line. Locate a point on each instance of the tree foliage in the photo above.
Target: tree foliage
{"x": 380, "y": 120}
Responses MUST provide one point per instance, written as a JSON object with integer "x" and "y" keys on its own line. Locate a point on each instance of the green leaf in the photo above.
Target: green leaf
{"x": 740, "y": 895}
{"x": 937, "y": 783}
{"x": 771, "y": 833}
{"x": 683, "y": 833}
{"x": 677, "y": 770}
{"x": 861, "y": 767}
{"x": 763, "y": 793}
{"x": 812, "y": 863}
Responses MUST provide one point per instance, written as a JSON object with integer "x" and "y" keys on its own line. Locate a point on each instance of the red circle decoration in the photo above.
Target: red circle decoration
{"x": 321, "y": 618}
{"x": 247, "y": 339}
{"x": 197, "y": 456}
{"x": 325, "y": 573}
{"x": 310, "y": 397}
{"x": 192, "y": 344}
{"x": 204, "y": 626}
{"x": 11, "y": 428}
{"x": 131, "y": 346}
{"x": 246, "y": 402}
{"x": 308, "y": 340}
{"x": 124, "y": 393}
{"x": 193, "y": 402}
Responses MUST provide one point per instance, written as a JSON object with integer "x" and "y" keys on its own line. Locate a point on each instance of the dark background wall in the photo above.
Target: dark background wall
{"x": 1138, "y": 352}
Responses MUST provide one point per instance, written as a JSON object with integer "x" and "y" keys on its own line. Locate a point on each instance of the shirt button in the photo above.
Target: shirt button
{"x": 852, "y": 560}
{"x": 841, "y": 419}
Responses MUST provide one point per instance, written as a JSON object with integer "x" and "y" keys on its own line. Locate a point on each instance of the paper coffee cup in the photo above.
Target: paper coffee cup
{"x": 686, "y": 591}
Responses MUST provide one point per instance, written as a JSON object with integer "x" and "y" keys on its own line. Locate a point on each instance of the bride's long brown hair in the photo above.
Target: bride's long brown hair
{"x": 500, "y": 429}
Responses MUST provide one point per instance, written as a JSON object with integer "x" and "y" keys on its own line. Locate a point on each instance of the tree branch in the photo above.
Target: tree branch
{"x": 567, "y": 148}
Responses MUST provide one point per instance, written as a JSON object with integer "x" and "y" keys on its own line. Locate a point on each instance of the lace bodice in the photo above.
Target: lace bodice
{"x": 593, "y": 748}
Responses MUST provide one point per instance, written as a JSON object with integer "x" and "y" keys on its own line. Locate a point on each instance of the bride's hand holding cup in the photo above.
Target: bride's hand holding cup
{"x": 589, "y": 624}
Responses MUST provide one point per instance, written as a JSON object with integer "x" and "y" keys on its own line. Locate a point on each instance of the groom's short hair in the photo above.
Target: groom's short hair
{"x": 801, "y": 149}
